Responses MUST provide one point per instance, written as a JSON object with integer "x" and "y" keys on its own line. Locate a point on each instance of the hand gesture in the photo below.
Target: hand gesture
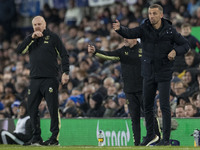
{"x": 91, "y": 49}
{"x": 37, "y": 34}
{"x": 172, "y": 55}
{"x": 116, "y": 26}
{"x": 65, "y": 78}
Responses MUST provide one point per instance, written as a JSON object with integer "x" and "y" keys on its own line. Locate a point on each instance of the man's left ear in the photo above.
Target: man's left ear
{"x": 162, "y": 15}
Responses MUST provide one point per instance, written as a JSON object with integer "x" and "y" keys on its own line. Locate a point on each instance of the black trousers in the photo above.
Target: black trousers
{"x": 47, "y": 88}
{"x": 135, "y": 106}
{"x": 149, "y": 87}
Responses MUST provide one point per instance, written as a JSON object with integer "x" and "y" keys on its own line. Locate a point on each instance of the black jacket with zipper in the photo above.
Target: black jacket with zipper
{"x": 156, "y": 45}
{"x": 43, "y": 53}
{"x": 130, "y": 59}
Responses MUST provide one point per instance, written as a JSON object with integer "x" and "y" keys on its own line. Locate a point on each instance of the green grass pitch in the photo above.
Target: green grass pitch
{"x": 17, "y": 147}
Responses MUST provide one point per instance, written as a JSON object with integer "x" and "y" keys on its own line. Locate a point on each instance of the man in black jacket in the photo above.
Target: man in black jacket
{"x": 130, "y": 57}
{"x": 158, "y": 39}
{"x": 44, "y": 47}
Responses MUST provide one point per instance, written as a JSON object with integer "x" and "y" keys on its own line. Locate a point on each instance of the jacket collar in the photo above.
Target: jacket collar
{"x": 46, "y": 31}
{"x": 165, "y": 22}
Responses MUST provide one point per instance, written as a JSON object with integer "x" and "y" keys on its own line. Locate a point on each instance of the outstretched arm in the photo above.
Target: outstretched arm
{"x": 113, "y": 55}
{"x": 125, "y": 32}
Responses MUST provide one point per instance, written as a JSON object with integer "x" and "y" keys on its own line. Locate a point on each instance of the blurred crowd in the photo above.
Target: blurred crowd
{"x": 95, "y": 88}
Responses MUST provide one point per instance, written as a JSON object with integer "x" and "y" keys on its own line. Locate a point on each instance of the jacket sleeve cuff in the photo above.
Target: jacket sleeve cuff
{"x": 66, "y": 72}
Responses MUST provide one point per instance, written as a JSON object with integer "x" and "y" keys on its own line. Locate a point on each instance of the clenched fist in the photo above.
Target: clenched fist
{"x": 172, "y": 55}
{"x": 116, "y": 26}
{"x": 91, "y": 49}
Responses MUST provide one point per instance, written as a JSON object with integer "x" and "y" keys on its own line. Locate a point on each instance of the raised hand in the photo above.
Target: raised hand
{"x": 116, "y": 25}
{"x": 91, "y": 49}
{"x": 37, "y": 34}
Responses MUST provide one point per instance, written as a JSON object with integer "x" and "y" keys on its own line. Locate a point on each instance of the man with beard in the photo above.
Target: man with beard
{"x": 158, "y": 39}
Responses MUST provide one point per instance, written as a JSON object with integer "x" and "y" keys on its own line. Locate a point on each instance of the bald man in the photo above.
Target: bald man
{"x": 44, "y": 47}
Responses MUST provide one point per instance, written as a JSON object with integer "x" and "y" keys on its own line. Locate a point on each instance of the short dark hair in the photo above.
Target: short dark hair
{"x": 189, "y": 104}
{"x": 179, "y": 106}
{"x": 190, "y": 53}
{"x": 156, "y": 6}
{"x": 185, "y": 25}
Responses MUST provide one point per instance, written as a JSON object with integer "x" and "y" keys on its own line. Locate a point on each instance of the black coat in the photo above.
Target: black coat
{"x": 130, "y": 59}
{"x": 156, "y": 45}
{"x": 43, "y": 53}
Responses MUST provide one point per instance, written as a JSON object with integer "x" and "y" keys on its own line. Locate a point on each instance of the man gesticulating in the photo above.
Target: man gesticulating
{"x": 158, "y": 38}
{"x": 44, "y": 47}
{"x": 130, "y": 58}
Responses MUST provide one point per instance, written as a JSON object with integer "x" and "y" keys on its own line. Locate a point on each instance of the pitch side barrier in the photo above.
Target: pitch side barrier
{"x": 116, "y": 131}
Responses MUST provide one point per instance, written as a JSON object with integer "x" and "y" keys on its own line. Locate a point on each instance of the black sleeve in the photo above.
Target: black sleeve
{"x": 62, "y": 52}
{"x": 132, "y": 33}
{"x": 25, "y": 45}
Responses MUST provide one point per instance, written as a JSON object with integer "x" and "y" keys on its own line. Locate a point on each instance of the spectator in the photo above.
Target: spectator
{"x": 192, "y": 6}
{"x": 73, "y": 15}
{"x": 87, "y": 91}
{"x": 23, "y": 129}
{"x": 71, "y": 112}
{"x": 197, "y": 102}
{"x": 1, "y": 107}
{"x": 192, "y": 59}
{"x": 96, "y": 109}
{"x": 198, "y": 79}
{"x": 191, "y": 81}
{"x": 180, "y": 112}
{"x": 121, "y": 108}
{"x": 179, "y": 88}
{"x": 167, "y": 7}
{"x": 14, "y": 108}
{"x": 111, "y": 106}
{"x": 173, "y": 102}
{"x": 63, "y": 96}
{"x": 191, "y": 110}
{"x": 182, "y": 100}
{"x": 106, "y": 16}
{"x": 186, "y": 32}
{"x": 173, "y": 81}
{"x": 108, "y": 82}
